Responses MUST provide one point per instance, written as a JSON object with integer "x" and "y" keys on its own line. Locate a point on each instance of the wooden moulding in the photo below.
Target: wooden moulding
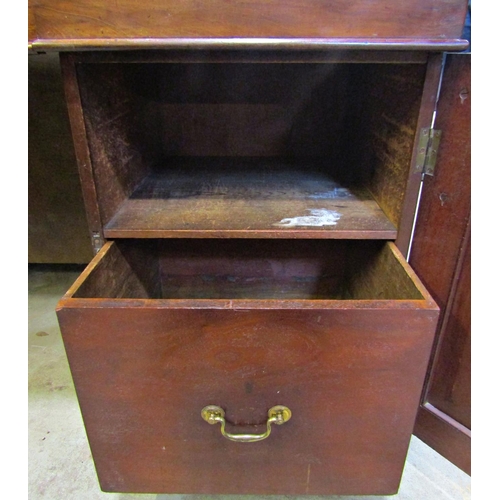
{"x": 367, "y": 44}
{"x": 392, "y": 24}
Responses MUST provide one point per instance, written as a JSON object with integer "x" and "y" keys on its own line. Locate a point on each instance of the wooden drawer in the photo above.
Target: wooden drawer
{"x": 339, "y": 331}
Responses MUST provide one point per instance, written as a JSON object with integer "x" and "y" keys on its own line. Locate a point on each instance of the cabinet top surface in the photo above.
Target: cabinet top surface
{"x": 128, "y": 24}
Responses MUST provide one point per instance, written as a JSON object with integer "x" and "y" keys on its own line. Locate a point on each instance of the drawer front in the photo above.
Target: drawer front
{"x": 350, "y": 375}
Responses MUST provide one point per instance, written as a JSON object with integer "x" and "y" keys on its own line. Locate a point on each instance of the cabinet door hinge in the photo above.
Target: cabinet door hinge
{"x": 428, "y": 144}
{"x": 97, "y": 242}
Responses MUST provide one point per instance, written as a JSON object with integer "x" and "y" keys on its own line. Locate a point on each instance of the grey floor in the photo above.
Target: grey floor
{"x": 60, "y": 463}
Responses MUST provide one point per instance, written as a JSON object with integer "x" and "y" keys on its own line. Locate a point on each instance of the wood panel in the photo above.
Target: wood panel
{"x": 63, "y": 24}
{"x": 389, "y": 99}
{"x": 120, "y": 143}
{"x": 57, "y": 226}
{"x": 253, "y": 269}
{"x": 440, "y": 255}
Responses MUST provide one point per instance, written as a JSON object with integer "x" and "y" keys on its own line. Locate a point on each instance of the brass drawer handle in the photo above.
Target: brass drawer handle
{"x": 276, "y": 415}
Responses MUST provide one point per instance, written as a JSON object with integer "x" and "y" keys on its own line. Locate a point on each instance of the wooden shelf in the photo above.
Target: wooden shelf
{"x": 247, "y": 198}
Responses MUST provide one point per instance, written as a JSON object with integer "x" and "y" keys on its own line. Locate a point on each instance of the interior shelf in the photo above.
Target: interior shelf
{"x": 248, "y": 198}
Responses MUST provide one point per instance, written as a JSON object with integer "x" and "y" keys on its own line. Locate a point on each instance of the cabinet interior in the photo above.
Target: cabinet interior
{"x": 249, "y": 269}
{"x": 322, "y": 150}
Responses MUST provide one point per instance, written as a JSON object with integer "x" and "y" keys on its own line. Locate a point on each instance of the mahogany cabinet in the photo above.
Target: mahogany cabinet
{"x": 250, "y": 174}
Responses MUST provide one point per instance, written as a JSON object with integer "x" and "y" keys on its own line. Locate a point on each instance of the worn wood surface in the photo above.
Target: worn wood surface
{"x": 248, "y": 198}
{"x": 143, "y": 370}
{"x": 83, "y": 24}
{"x": 57, "y": 226}
{"x": 440, "y": 255}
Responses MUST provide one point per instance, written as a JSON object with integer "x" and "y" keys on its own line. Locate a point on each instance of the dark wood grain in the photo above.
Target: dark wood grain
{"x": 440, "y": 255}
{"x": 61, "y": 24}
{"x": 57, "y": 226}
{"x": 350, "y": 370}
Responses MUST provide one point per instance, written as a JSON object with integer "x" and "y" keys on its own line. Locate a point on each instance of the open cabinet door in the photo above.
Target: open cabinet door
{"x": 440, "y": 255}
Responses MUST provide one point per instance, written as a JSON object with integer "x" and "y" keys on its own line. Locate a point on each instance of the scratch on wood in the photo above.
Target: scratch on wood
{"x": 337, "y": 192}
{"x": 308, "y": 477}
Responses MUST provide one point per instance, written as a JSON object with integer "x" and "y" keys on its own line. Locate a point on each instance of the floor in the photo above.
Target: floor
{"x": 60, "y": 463}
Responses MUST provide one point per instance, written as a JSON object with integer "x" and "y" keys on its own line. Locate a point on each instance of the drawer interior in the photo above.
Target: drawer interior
{"x": 208, "y": 149}
{"x": 249, "y": 269}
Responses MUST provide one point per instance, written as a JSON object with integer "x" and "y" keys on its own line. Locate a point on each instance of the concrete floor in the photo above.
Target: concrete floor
{"x": 60, "y": 463}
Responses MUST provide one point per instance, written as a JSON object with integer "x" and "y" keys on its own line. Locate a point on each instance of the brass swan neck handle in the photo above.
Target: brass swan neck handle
{"x": 276, "y": 415}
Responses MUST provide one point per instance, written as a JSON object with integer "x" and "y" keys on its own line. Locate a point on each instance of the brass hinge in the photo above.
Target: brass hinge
{"x": 428, "y": 144}
{"x": 97, "y": 242}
